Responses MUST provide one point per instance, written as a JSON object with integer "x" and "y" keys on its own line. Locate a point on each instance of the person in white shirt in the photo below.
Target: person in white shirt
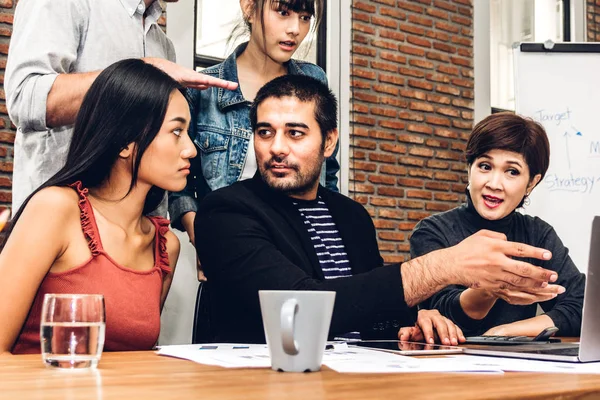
{"x": 57, "y": 49}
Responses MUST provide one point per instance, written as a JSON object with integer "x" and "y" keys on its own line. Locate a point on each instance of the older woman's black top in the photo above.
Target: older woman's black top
{"x": 451, "y": 227}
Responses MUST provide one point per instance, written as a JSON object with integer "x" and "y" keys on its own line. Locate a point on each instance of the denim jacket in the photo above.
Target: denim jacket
{"x": 220, "y": 129}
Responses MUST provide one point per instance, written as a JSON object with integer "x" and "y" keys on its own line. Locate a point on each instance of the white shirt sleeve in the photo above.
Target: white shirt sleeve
{"x": 45, "y": 39}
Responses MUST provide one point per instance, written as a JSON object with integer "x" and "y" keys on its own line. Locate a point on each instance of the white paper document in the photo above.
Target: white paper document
{"x": 356, "y": 360}
{"x": 340, "y": 359}
{"x": 226, "y": 355}
{"x": 521, "y": 365}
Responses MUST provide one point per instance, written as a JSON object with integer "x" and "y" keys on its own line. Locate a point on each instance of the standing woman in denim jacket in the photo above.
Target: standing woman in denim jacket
{"x": 220, "y": 125}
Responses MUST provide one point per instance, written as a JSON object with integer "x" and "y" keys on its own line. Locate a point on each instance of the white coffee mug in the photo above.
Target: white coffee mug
{"x": 296, "y": 326}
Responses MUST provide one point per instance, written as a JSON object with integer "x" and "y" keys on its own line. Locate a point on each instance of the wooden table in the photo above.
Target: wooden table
{"x": 145, "y": 375}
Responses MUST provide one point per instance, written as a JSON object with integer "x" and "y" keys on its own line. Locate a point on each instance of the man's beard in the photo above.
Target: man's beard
{"x": 301, "y": 183}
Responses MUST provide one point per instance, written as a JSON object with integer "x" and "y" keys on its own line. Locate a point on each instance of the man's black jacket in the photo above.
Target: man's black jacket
{"x": 251, "y": 238}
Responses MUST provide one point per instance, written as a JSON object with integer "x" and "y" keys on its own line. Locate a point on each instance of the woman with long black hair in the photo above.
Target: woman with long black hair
{"x": 85, "y": 229}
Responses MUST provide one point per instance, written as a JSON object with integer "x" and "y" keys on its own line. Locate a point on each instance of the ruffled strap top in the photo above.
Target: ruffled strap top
{"x": 92, "y": 235}
{"x": 161, "y": 255}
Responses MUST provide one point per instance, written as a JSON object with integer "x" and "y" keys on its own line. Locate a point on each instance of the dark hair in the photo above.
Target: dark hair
{"x": 508, "y": 131}
{"x": 305, "y": 89}
{"x": 312, "y": 7}
{"x": 126, "y": 104}
{"x": 315, "y": 8}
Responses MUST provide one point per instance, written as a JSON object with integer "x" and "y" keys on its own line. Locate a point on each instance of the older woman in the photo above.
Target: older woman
{"x": 507, "y": 156}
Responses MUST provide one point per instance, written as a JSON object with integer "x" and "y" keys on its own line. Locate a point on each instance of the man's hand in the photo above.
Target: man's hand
{"x": 429, "y": 323}
{"x": 188, "y": 77}
{"x": 483, "y": 261}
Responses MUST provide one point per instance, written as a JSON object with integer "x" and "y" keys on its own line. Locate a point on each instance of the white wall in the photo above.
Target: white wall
{"x": 178, "y": 313}
{"x": 481, "y": 59}
{"x": 339, "y": 22}
{"x": 180, "y": 29}
{"x": 578, "y": 21}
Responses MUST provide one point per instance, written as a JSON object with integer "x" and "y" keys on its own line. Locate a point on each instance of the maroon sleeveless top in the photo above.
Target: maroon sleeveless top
{"x": 132, "y": 298}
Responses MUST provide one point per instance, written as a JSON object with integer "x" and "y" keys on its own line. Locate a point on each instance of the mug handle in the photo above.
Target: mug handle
{"x": 288, "y": 314}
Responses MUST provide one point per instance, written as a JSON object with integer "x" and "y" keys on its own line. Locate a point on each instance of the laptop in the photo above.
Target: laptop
{"x": 588, "y": 348}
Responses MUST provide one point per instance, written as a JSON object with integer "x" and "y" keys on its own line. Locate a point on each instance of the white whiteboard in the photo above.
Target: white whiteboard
{"x": 562, "y": 92}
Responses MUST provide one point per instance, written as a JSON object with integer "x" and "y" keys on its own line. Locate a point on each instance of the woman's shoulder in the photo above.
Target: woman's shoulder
{"x": 58, "y": 199}
{"x": 312, "y": 70}
{"x": 213, "y": 70}
{"x": 193, "y": 95}
{"x": 438, "y": 220}
{"x": 173, "y": 247}
{"x": 533, "y": 224}
{"x": 168, "y": 241}
{"x": 54, "y": 207}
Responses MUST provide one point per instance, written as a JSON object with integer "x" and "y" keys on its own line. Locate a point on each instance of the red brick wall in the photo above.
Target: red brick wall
{"x": 7, "y": 129}
{"x": 593, "y": 21}
{"x": 412, "y": 111}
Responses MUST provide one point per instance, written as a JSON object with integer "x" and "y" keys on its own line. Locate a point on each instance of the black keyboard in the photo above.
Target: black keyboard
{"x": 507, "y": 340}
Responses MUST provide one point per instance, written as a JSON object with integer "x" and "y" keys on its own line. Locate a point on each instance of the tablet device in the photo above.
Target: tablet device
{"x": 406, "y": 348}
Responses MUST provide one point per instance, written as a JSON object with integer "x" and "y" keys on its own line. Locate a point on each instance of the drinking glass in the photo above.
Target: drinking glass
{"x": 72, "y": 330}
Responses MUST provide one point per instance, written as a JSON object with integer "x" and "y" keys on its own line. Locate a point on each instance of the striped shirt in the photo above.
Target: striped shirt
{"x": 327, "y": 243}
{"x": 325, "y": 238}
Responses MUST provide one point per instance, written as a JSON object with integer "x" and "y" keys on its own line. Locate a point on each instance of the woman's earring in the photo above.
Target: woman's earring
{"x": 526, "y": 200}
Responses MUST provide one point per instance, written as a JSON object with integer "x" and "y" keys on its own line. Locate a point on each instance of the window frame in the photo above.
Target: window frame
{"x": 566, "y": 25}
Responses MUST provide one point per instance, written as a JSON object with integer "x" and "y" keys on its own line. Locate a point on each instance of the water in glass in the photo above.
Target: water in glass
{"x": 72, "y": 330}
{"x": 72, "y": 344}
